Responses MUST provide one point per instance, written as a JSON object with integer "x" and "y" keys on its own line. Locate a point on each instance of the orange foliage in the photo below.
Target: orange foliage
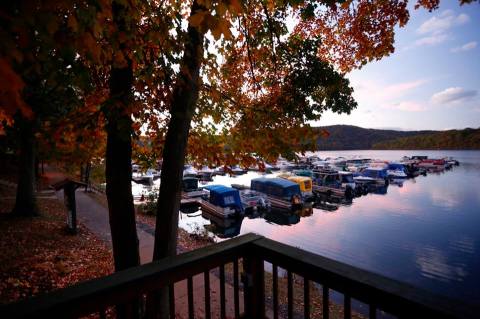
{"x": 241, "y": 112}
{"x": 11, "y": 99}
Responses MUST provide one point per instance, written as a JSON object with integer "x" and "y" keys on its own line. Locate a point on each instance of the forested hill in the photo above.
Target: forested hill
{"x": 348, "y": 137}
{"x": 454, "y": 139}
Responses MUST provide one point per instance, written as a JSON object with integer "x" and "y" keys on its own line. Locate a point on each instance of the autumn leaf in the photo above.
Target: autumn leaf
{"x": 11, "y": 88}
{"x": 52, "y": 26}
{"x": 119, "y": 60}
{"x": 196, "y": 19}
{"x": 236, "y": 6}
{"x": 72, "y": 23}
{"x": 91, "y": 46}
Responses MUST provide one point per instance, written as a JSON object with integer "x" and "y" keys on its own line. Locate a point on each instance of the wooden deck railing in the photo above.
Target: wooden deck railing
{"x": 253, "y": 251}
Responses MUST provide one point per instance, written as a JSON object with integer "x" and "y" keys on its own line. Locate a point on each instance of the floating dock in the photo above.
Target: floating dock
{"x": 339, "y": 192}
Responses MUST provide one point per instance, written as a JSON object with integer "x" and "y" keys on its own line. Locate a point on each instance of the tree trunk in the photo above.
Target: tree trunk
{"x": 119, "y": 175}
{"x": 118, "y": 169}
{"x": 82, "y": 173}
{"x": 25, "y": 202}
{"x": 88, "y": 169}
{"x": 184, "y": 99}
{"x": 37, "y": 168}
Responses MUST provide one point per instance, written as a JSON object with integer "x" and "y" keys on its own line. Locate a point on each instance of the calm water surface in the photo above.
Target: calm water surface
{"x": 425, "y": 232}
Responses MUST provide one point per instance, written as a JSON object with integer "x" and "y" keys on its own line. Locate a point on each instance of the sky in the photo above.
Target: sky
{"x": 431, "y": 81}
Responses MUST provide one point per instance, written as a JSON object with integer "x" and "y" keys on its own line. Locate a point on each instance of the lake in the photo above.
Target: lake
{"x": 425, "y": 232}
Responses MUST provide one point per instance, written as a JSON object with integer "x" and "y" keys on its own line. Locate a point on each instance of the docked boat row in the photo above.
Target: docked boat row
{"x": 297, "y": 187}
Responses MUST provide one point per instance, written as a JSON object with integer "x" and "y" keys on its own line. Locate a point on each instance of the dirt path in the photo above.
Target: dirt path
{"x": 94, "y": 216}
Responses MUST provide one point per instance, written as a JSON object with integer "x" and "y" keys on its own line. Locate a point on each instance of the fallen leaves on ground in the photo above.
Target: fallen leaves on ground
{"x": 37, "y": 255}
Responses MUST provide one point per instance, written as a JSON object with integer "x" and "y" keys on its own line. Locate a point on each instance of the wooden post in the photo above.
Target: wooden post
{"x": 69, "y": 197}
{"x": 253, "y": 283}
{"x": 88, "y": 168}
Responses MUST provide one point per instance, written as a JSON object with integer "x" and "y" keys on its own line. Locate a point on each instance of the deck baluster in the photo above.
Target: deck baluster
{"x": 325, "y": 301}
{"x": 171, "y": 300}
{"x": 236, "y": 298}
{"x": 222, "y": 292}
{"x": 126, "y": 287}
{"x": 254, "y": 287}
{"x": 372, "y": 311}
{"x": 191, "y": 308}
{"x": 206, "y": 277}
{"x": 347, "y": 308}
{"x": 275, "y": 291}
{"x": 290, "y": 294}
{"x": 306, "y": 298}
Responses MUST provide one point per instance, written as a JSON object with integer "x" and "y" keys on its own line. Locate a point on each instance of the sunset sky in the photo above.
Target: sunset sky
{"x": 432, "y": 81}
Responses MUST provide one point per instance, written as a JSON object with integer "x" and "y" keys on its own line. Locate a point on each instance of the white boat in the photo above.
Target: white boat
{"x": 153, "y": 172}
{"x": 396, "y": 171}
{"x": 396, "y": 174}
{"x": 346, "y": 179}
{"x": 219, "y": 170}
{"x": 205, "y": 173}
{"x": 284, "y": 165}
{"x": 451, "y": 161}
{"x": 253, "y": 200}
{"x": 189, "y": 171}
{"x": 142, "y": 179}
{"x": 237, "y": 170}
{"x": 357, "y": 164}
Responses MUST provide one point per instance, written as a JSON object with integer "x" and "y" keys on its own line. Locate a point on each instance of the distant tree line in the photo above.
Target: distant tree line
{"x": 349, "y": 137}
{"x": 467, "y": 139}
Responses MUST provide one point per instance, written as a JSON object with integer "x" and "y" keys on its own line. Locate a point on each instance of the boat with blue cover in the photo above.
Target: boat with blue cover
{"x": 396, "y": 171}
{"x": 223, "y": 201}
{"x": 375, "y": 175}
{"x": 282, "y": 193}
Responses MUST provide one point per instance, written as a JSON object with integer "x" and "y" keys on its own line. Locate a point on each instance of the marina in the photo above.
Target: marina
{"x": 420, "y": 230}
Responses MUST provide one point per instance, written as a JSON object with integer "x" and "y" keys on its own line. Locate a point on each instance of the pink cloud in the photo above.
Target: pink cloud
{"x": 408, "y": 106}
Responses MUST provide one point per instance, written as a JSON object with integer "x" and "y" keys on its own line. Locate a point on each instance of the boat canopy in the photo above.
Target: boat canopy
{"x": 303, "y": 172}
{"x": 419, "y": 157}
{"x": 224, "y": 196}
{"x": 189, "y": 184}
{"x": 358, "y": 161}
{"x": 275, "y": 186}
{"x": 396, "y": 166}
{"x": 375, "y": 172}
{"x": 346, "y": 177}
{"x": 304, "y": 182}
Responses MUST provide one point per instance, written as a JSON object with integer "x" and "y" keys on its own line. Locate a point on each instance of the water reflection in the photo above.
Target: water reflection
{"x": 281, "y": 218}
{"x": 424, "y": 231}
{"x": 223, "y": 228}
{"x": 378, "y": 189}
{"x": 434, "y": 264}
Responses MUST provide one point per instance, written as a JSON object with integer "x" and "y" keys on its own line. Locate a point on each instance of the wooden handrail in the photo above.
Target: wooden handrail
{"x": 379, "y": 292}
{"x": 97, "y": 294}
{"x": 397, "y": 298}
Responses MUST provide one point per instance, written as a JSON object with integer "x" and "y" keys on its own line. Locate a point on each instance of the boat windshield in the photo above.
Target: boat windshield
{"x": 347, "y": 178}
{"x": 330, "y": 178}
{"x": 371, "y": 173}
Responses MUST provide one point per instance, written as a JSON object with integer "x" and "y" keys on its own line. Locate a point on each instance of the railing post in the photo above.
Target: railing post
{"x": 253, "y": 283}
